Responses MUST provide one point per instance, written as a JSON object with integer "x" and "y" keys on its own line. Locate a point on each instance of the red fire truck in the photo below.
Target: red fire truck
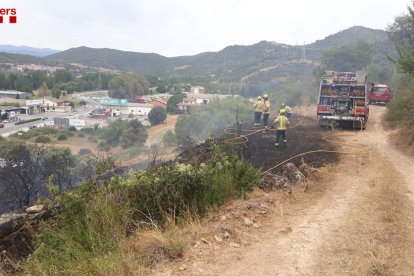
{"x": 343, "y": 97}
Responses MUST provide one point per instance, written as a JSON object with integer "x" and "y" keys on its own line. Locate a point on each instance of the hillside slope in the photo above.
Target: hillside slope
{"x": 353, "y": 34}
{"x": 231, "y": 62}
{"x": 244, "y": 69}
{"x": 113, "y": 59}
{"x": 18, "y": 58}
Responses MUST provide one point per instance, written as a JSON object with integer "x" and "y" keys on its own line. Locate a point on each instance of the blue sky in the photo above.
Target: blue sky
{"x": 187, "y": 27}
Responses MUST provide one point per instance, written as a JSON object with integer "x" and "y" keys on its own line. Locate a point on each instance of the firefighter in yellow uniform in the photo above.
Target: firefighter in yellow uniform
{"x": 266, "y": 110}
{"x": 281, "y": 123}
{"x": 258, "y": 110}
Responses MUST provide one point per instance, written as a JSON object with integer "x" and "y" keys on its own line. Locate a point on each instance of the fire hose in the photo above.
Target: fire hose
{"x": 244, "y": 139}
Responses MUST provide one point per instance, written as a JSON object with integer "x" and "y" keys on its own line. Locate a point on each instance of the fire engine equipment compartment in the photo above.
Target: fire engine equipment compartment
{"x": 343, "y": 97}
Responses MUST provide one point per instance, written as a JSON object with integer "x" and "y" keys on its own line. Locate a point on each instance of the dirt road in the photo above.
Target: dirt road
{"x": 361, "y": 224}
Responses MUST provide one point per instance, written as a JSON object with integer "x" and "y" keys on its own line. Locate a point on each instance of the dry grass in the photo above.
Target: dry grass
{"x": 3, "y": 270}
{"x": 374, "y": 238}
{"x": 403, "y": 138}
{"x": 22, "y": 102}
{"x": 305, "y": 110}
{"x": 142, "y": 252}
{"x": 156, "y": 133}
{"x": 75, "y": 144}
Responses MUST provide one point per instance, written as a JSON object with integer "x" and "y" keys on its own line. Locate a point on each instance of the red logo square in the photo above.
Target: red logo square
{"x": 13, "y": 19}
{"x": 1, "y": 19}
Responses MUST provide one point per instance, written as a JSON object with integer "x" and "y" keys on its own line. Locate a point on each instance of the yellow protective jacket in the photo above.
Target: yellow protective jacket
{"x": 266, "y": 107}
{"x": 258, "y": 106}
{"x": 281, "y": 122}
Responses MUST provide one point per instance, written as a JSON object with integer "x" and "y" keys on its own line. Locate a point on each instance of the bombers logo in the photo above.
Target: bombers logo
{"x": 10, "y": 13}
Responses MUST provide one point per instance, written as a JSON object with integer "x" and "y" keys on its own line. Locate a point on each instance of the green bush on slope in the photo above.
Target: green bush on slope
{"x": 94, "y": 219}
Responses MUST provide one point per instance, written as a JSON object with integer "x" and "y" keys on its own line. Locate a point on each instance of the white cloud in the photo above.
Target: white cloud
{"x": 184, "y": 27}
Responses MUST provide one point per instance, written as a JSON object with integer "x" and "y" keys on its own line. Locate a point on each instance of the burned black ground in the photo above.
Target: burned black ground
{"x": 258, "y": 145}
{"x": 304, "y": 135}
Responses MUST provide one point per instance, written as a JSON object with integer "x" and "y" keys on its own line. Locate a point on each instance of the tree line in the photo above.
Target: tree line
{"x": 58, "y": 81}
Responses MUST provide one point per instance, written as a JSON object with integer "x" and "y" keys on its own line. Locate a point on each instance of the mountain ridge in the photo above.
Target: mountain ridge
{"x": 27, "y": 50}
{"x": 228, "y": 59}
{"x": 266, "y": 61}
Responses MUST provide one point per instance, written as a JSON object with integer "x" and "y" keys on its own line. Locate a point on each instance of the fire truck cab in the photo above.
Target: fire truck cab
{"x": 343, "y": 97}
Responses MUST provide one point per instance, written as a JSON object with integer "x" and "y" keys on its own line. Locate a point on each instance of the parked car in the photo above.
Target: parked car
{"x": 1, "y": 125}
{"x": 99, "y": 111}
{"x": 380, "y": 93}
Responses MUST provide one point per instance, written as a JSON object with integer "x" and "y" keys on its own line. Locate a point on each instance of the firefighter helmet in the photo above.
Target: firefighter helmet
{"x": 265, "y": 96}
{"x": 282, "y": 105}
{"x": 259, "y": 98}
{"x": 282, "y": 111}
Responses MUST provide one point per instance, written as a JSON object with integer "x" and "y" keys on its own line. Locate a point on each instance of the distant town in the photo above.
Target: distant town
{"x": 96, "y": 108}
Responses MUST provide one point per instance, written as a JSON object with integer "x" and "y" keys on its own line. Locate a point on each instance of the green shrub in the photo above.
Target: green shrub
{"x": 72, "y": 128}
{"x": 43, "y": 139}
{"x": 178, "y": 188}
{"x": 88, "y": 130}
{"x": 124, "y": 133}
{"x": 104, "y": 147}
{"x": 38, "y": 131}
{"x": 84, "y": 151}
{"x": 92, "y": 139}
{"x": 67, "y": 133}
{"x": 169, "y": 139}
{"x": 130, "y": 152}
{"x": 62, "y": 137}
{"x": 401, "y": 109}
{"x": 95, "y": 218}
{"x": 80, "y": 134}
